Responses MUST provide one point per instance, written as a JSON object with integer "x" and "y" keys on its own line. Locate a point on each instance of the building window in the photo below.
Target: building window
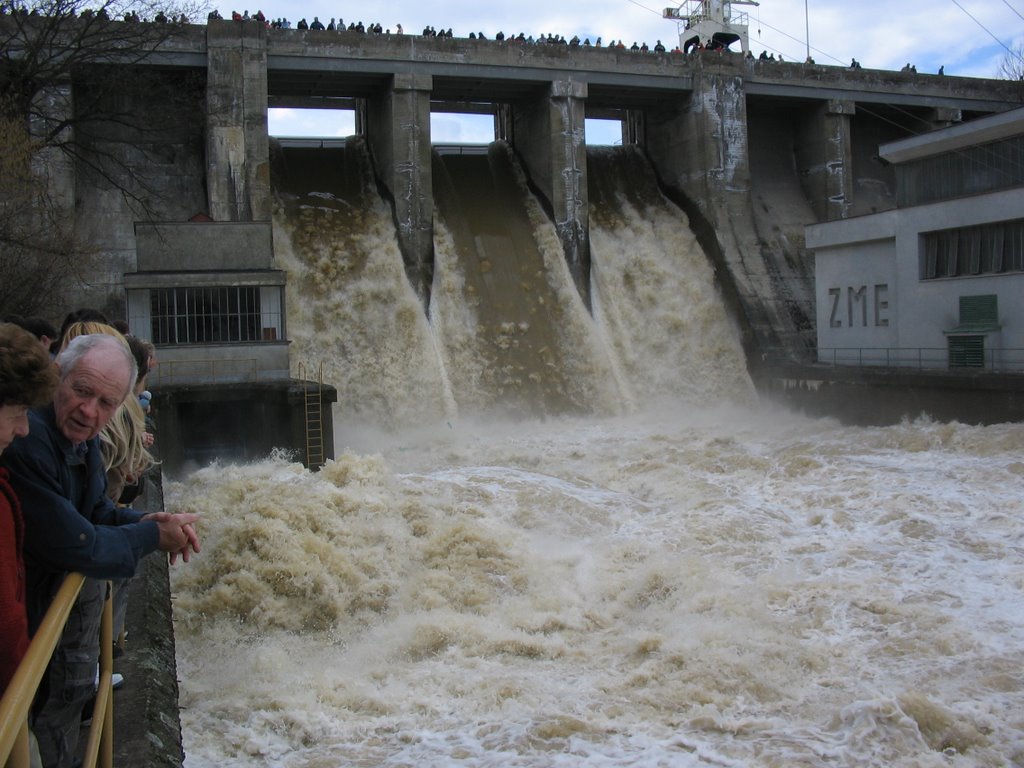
{"x": 969, "y": 171}
{"x": 215, "y": 315}
{"x": 987, "y": 249}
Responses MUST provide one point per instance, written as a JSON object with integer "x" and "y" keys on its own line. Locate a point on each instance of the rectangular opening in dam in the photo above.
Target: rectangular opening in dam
{"x": 602, "y": 132}
{"x": 445, "y": 127}
{"x": 311, "y": 123}
{"x": 461, "y": 128}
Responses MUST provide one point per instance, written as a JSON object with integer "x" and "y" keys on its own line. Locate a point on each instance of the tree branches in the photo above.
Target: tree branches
{"x": 1012, "y": 66}
{"x": 78, "y": 98}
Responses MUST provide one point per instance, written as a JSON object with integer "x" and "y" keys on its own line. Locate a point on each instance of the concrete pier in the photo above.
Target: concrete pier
{"x": 398, "y": 130}
{"x": 550, "y": 138}
{"x": 237, "y": 145}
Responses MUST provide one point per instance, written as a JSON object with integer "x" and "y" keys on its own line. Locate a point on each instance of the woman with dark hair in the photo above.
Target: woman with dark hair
{"x": 27, "y": 378}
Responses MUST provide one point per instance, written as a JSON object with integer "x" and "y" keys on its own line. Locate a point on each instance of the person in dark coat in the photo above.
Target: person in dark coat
{"x": 58, "y": 474}
{"x": 27, "y": 378}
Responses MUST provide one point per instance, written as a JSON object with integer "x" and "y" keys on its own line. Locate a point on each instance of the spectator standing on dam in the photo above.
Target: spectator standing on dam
{"x": 71, "y": 525}
{"x": 28, "y": 378}
{"x": 39, "y": 327}
{"x": 125, "y": 440}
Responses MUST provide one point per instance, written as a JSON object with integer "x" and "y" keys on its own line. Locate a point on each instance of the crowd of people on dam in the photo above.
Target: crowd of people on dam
{"x": 76, "y": 447}
{"x": 338, "y": 25}
{"x": 692, "y": 48}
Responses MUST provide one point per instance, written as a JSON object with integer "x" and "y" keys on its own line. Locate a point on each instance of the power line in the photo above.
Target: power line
{"x": 863, "y": 108}
{"x": 957, "y": 4}
{"x": 1007, "y": 3}
{"x": 658, "y": 13}
{"x": 798, "y": 40}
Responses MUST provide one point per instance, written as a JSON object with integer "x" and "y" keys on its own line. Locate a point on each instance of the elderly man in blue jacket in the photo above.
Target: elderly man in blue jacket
{"x": 70, "y": 525}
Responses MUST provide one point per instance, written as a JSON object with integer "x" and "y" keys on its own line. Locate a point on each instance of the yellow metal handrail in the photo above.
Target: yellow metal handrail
{"x": 17, "y": 699}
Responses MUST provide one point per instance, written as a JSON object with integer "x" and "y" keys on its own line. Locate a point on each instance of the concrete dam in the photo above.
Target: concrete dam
{"x": 750, "y": 152}
{"x": 421, "y": 281}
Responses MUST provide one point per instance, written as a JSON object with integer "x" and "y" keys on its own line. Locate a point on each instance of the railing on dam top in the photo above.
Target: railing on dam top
{"x": 17, "y": 699}
{"x": 1004, "y": 360}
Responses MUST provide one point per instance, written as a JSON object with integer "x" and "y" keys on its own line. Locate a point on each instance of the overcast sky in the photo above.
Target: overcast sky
{"x": 969, "y": 37}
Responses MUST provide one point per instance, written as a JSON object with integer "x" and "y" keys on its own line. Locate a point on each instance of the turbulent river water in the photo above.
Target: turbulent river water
{"x": 637, "y": 563}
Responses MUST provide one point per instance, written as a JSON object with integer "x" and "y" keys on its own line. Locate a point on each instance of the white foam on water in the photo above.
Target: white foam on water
{"x": 733, "y": 587}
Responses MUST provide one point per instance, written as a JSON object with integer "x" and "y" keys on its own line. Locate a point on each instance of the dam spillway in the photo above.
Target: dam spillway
{"x": 507, "y": 334}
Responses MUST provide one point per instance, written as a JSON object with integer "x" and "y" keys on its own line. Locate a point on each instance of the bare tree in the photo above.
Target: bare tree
{"x": 1012, "y": 66}
{"x": 70, "y": 72}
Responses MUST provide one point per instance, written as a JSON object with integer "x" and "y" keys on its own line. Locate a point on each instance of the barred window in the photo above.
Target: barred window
{"x": 214, "y": 315}
{"x": 969, "y": 171}
{"x": 986, "y": 249}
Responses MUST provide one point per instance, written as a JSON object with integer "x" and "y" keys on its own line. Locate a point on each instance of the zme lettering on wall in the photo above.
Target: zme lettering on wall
{"x": 855, "y": 309}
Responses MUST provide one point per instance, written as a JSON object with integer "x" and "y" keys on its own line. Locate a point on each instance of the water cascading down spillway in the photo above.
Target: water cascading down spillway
{"x": 507, "y": 333}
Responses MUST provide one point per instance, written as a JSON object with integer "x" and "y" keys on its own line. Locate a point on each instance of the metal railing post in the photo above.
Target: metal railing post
{"x": 17, "y": 699}
{"x": 99, "y": 749}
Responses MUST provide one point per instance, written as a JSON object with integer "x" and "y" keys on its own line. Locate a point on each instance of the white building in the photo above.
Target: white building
{"x": 938, "y": 282}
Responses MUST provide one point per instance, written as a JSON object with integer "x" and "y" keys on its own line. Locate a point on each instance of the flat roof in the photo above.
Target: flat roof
{"x": 1001, "y": 125}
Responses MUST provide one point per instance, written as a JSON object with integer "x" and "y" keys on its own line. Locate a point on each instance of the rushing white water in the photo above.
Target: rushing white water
{"x": 351, "y": 310}
{"x": 713, "y": 587}
{"x": 695, "y": 580}
{"x": 654, "y": 294}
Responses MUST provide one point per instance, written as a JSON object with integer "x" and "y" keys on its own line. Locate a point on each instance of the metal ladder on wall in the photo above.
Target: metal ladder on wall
{"x": 313, "y": 409}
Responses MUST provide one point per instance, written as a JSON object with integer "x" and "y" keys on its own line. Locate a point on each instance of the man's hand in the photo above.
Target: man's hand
{"x": 177, "y": 533}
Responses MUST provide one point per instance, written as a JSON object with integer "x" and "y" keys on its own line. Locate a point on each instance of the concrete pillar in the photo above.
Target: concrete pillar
{"x": 503, "y": 123}
{"x": 699, "y": 144}
{"x": 551, "y": 140}
{"x": 700, "y": 149}
{"x": 237, "y": 145}
{"x": 359, "y": 117}
{"x": 825, "y": 159}
{"x": 398, "y": 131}
{"x": 633, "y": 128}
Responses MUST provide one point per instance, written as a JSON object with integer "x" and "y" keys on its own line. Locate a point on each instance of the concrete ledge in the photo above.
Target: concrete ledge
{"x": 204, "y": 246}
{"x": 880, "y": 396}
{"x": 147, "y": 728}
